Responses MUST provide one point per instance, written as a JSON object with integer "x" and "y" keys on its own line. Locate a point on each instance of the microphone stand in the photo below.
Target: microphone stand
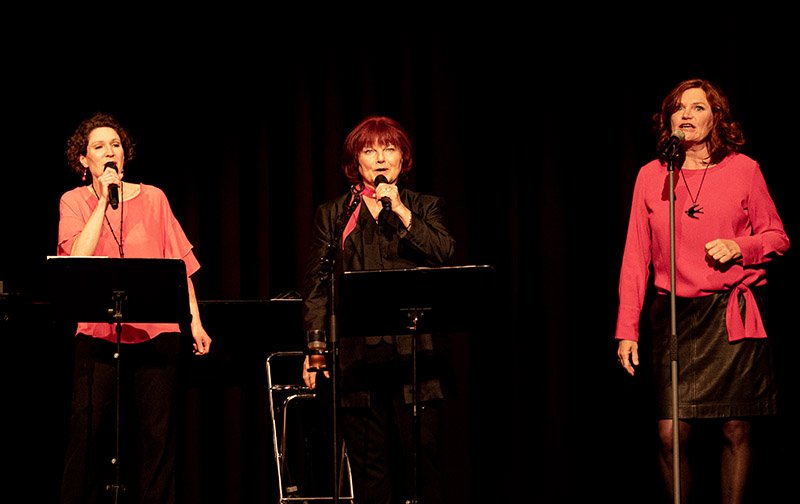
{"x": 327, "y": 274}
{"x": 117, "y": 487}
{"x": 673, "y": 338}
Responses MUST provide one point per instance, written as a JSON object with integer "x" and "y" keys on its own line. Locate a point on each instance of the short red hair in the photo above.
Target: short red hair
{"x": 375, "y": 129}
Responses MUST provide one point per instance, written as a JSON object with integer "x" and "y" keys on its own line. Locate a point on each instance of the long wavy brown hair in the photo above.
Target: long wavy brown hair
{"x": 726, "y": 134}
{"x": 78, "y": 142}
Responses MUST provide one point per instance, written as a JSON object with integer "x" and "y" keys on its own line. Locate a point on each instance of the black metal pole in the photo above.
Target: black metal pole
{"x": 415, "y": 406}
{"x": 117, "y": 487}
{"x": 332, "y": 337}
{"x": 328, "y": 274}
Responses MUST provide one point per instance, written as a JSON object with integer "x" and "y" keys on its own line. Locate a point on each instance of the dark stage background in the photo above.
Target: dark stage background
{"x": 532, "y": 131}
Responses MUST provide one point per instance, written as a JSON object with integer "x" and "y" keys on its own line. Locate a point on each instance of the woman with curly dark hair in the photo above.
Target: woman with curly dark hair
{"x": 726, "y": 230}
{"x": 107, "y": 216}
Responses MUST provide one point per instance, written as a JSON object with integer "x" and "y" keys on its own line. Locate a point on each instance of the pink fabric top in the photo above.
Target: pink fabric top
{"x": 736, "y": 205}
{"x": 149, "y": 230}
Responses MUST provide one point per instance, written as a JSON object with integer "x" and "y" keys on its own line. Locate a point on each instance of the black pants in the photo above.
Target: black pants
{"x": 378, "y": 432}
{"x": 148, "y": 397}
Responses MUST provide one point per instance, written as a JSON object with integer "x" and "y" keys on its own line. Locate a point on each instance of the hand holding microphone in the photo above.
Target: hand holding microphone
{"x": 385, "y": 201}
{"x": 113, "y": 189}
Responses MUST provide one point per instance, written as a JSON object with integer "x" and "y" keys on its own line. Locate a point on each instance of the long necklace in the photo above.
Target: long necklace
{"x": 121, "y": 212}
{"x": 695, "y": 208}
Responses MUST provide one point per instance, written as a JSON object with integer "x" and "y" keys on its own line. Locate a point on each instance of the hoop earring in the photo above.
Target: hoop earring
{"x": 84, "y": 174}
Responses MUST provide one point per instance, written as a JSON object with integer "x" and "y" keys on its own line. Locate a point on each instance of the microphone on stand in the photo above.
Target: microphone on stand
{"x": 113, "y": 189}
{"x": 385, "y": 201}
{"x": 672, "y": 147}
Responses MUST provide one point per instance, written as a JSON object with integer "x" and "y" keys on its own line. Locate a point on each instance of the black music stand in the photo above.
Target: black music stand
{"x": 116, "y": 290}
{"x": 411, "y": 301}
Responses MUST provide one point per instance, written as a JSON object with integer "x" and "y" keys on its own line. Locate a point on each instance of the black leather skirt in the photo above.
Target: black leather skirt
{"x": 716, "y": 378}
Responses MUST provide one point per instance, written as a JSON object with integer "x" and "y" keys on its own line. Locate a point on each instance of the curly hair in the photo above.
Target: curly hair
{"x": 78, "y": 142}
{"x": 372, "y": 129}
{"x": 726, "y": 134}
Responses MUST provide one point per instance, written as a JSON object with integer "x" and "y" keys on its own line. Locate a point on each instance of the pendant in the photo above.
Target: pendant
{"x": 693, "y": 210}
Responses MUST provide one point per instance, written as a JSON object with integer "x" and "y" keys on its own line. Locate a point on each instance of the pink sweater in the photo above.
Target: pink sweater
{"x": 736, "y": 205}
{"x": 149, "y": 230}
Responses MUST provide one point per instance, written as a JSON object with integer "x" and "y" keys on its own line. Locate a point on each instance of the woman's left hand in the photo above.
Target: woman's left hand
{"x": 722, "y": 250}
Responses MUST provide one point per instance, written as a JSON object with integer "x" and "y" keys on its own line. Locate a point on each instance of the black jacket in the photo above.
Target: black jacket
{"x": 373, "y": 246}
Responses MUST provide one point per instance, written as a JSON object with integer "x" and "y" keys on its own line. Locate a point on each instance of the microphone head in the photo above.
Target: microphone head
{"x": 380, "y": 179}
{"x": 679, "y": 134}
{"x": 112, "y": 165}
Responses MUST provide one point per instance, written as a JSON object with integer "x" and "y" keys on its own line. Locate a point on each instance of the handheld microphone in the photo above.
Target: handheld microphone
{"x": 113, "y": 189}
{"x": 672, "y": 147}
{"x": 385, "y": 201}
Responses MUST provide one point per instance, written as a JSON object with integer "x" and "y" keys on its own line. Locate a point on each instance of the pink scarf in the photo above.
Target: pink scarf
{"x": 351, "y": 223}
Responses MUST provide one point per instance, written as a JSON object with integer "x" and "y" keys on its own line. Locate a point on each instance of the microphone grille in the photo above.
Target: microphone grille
{"x": 679, "y": 134}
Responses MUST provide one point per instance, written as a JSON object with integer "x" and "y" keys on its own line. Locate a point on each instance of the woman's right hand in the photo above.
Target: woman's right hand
{"x": 310, "y": 363}
{"x": 628, "y": 355}
{"x": 108, "y": 177}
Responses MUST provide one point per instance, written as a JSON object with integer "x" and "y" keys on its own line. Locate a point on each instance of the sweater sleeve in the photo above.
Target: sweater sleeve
{"x": 767, "y": 238}
{"x": 635, "y": 270}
